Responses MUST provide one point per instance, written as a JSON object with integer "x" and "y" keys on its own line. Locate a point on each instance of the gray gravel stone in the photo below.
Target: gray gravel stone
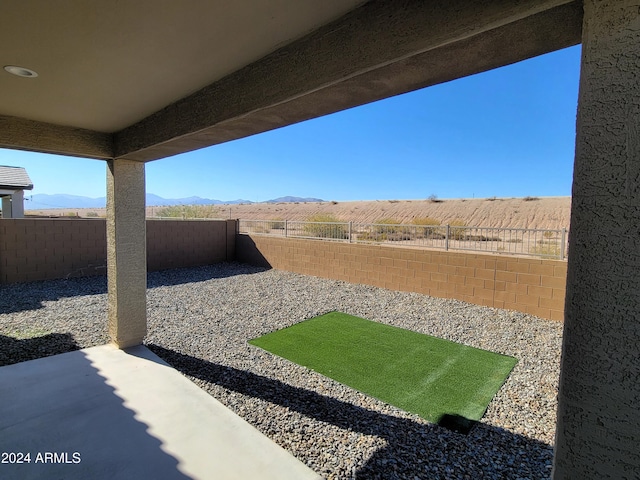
{"x": 200, "y": 320}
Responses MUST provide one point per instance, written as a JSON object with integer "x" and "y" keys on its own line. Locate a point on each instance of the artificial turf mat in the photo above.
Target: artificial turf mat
{"x": 442, "y": 381}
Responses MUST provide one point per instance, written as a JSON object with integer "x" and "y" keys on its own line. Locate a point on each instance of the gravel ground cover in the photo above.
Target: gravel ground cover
{"x": 200, "y": 320}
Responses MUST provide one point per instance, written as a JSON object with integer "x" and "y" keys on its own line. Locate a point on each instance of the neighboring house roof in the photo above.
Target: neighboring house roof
{"x": 15, "y": 178}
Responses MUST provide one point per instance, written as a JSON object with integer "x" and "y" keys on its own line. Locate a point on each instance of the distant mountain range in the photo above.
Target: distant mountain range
{"x": 293, "y": 200}
{"x": 43, "y": 201}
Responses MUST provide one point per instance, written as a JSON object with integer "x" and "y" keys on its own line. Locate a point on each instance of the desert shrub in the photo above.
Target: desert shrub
{"x": 546, "y": 250}
{"x": 261, "y": 229}
{"x": 322, "y": 217}
{"x": 92, "y": 214}
{"x": 384, "y": 237}
{"x": 391, "y": 229}
{"x": 174, "y": 211}
{"x": 482, "y": 238}
{"x": 530, "y": 199}
{"x": 189, "y": 211}
{"x": 372, "y": 237}
{"x": 400, "y": 236}
{"x": 387, "y": 225}
{"x": 428, "y": 226}
{"x": 276, "y": 223}
{"x": 457, "y": 230}
{"x": 549, "y": 234}
{"x": 325, "y": 226}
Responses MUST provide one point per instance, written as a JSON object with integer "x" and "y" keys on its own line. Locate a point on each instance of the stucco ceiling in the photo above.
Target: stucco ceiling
{"x": 105, "y": 65}
{"x": 147, "y": 79}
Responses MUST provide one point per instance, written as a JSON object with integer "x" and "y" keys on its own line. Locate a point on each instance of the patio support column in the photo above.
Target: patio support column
{"x": 598, "y": 430}
{"x": 6, "y": 207}
{"x": 126, "y": 252}
{"x": 17, "y": 204}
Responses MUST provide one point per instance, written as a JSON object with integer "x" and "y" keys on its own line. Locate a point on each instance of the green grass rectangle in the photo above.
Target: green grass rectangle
{"x": 440, "y": 380}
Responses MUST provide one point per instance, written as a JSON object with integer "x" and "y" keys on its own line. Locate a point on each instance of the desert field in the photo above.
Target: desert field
{"x": 527, "y": 212}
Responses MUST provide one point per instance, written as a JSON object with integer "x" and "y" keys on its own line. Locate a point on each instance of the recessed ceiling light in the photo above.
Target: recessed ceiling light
{"x": 20, "y": 71}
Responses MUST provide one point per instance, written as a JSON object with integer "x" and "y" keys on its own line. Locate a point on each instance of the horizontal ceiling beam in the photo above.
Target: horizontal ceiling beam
{"x": 378, "y": 50}
{"x": 22, "y": 134}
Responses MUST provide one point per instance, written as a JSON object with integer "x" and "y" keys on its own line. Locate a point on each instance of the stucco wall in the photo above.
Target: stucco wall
{"x": 598, "y": 431}
{"x": 44, "y": 249}
{"x": 529, "y": 285}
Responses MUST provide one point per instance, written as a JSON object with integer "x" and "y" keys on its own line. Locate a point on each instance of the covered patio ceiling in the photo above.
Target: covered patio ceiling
{"x": 147, "y": 79}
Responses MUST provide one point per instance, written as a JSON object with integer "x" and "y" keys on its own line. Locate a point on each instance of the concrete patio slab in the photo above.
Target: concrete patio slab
{"x": 105, "y": 413}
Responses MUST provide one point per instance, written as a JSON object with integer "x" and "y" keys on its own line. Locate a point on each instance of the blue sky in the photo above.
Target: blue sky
{"x": 509, "y": 132}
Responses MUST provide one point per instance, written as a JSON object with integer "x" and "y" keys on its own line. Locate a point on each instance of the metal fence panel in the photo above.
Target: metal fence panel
{"x": 512, "y": 241}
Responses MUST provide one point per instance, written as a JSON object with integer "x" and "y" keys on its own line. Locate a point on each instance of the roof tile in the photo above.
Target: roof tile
{"x": 14, "y": 177}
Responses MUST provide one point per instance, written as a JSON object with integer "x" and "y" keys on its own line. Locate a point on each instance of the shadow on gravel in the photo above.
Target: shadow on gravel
{"x": 414, "y": 450}
{"x": 179, "y": 276}
{"x": 15, "y": 351}
{"x": 30, "y": 296}
{"x": 18, "y": 297}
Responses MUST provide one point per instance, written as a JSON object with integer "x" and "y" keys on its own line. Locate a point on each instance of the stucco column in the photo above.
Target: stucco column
{"x": 6, "y": 207}
{"x": 126, "y": 252}
{"x": 17, "y": 204}
{"x": 598, "y": 431}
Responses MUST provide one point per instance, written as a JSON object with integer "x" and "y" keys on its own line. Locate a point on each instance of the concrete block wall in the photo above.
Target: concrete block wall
{"x": 186, "y": 243}
{"x": 529, "y": 285}
{"x": 45, "y": 249}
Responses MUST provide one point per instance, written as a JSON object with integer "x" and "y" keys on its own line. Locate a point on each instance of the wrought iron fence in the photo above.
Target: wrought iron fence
{"x": 512, "y": 241}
